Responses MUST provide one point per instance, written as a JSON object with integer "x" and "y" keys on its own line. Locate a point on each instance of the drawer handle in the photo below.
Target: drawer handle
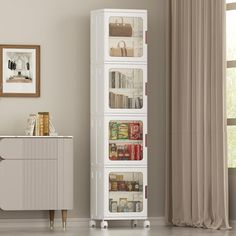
{"x": 1, "y": 158}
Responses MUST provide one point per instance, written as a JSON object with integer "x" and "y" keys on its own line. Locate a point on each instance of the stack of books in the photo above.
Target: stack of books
{"x": 40, "y": 125}
{"x": 123, "y": 101}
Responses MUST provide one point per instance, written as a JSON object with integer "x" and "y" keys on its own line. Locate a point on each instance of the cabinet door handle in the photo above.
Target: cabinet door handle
{"x": 146, "y": 190}
{"x": 1, "y": 158}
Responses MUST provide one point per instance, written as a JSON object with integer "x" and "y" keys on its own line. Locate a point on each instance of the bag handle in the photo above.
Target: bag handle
{"x": 122, "y": 21}
{"x": 119, "y": 44}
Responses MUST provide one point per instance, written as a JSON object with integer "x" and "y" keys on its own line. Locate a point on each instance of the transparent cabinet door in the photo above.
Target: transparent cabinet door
{"x": 125, "y": 140}
{"x": 126, "y": 192}
{"x": 126, "y": 88}
{"x": 125, "y": 36}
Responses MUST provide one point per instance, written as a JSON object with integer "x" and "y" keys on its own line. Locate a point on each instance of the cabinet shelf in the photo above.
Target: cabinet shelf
{"x": 125, "y": 141}
{"x": 125, "y": 89}
{"x": 126, "y": 192}
{"x": 126, "y": 38}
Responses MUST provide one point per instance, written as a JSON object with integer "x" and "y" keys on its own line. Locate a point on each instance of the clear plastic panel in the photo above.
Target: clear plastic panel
{"x": 125, "y": 192}
{"x": 126, "y": 36}
{"x": 126, "y": 88}
{"x": 125, "y": 140}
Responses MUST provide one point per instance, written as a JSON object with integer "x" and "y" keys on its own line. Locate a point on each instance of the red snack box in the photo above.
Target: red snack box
{"x": 132, "y": 152}
{"x": 113, "y": 152}
{"x": 120, "y": 152}
{"x": 138, "y": 152}
{"x": 134, "y": 131}
{"x": 126, "y": 152}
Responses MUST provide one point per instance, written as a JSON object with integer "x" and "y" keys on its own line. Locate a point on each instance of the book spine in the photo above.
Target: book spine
{"x": 37, "y": 126}
{"x": 41, "y": 125}
{"x": 46, "y": 124}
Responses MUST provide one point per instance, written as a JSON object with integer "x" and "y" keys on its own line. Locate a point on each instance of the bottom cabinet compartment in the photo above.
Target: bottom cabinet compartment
{"x": 125, "y": 193}
{"x": 28, "y": 184}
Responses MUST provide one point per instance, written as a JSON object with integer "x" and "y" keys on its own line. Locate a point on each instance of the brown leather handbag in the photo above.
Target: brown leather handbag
{"x": 120, "y": 29}
{"x": 121, "y": 51}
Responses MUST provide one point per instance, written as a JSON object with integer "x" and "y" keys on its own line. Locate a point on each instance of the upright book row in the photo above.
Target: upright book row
{"x": 40, "y": 124}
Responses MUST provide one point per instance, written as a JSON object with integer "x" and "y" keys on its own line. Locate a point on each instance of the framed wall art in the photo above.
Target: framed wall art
{"x": 19, "y": 70}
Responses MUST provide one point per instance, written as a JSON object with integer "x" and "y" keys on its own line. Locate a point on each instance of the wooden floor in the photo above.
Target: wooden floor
{"x": 83, "y": 231}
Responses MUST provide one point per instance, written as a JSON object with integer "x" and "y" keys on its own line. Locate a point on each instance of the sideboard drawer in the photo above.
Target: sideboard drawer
{"x": 28, "y": 184}
{"x": 29, "y": 148}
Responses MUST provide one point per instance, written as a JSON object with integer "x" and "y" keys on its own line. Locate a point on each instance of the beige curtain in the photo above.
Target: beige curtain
{"x": 197, "y": 181}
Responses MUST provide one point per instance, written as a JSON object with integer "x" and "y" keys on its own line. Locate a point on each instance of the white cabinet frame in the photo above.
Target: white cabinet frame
{"x": 101, "y": 112}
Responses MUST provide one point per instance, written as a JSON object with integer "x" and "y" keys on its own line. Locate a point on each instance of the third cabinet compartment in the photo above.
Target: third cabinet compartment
{"x": 119, "y": 141}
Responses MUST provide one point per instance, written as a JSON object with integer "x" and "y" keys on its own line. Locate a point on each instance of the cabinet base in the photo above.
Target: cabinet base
{"x": 134, "y": 223}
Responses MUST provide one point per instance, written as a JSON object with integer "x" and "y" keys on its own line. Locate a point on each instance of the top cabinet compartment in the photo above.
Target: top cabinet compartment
{"x": 119, "y": 36}
{"x": 125, "y": 36}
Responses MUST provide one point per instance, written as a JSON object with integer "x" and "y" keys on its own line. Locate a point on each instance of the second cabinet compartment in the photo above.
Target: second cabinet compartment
{"x": 119, "y": 89}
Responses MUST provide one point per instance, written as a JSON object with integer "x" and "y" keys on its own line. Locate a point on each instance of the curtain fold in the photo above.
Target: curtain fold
{"x": 197, "y": 173}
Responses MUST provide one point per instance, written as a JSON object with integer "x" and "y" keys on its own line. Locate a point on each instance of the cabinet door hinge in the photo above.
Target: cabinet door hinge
{"x": 146, "y": 140}
{"x": 146, "y": 37}
{"x": 146, "y": 88}
{"x": 146, "y": 192}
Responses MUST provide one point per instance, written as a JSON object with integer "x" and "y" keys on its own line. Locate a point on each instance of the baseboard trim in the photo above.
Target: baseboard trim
{"x": 71, "y": 222}
{"x": 232, "y": 223}
{"x": 42, "y": 223}
{"x": 157, "y": 221}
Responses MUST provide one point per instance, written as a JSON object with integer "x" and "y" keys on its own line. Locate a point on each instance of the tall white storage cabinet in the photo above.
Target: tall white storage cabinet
{"x": 118, "y": 116}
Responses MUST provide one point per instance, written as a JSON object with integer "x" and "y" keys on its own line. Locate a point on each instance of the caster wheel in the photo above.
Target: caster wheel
{"x": 134, "y": 223}
{"x": 92, "y": 223}
{"x": 146, "y": 224}
{"x": 51, "y": 225}
{"x": 104, "y": 225}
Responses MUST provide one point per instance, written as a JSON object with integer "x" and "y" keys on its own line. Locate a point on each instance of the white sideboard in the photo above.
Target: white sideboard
{"x": 36, "y": 173}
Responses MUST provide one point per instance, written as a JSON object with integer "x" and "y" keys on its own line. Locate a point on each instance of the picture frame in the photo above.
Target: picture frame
{"x": 19, "y": 70}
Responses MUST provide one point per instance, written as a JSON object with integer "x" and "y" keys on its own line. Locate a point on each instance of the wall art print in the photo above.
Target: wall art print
{"x": 19, "y": 70}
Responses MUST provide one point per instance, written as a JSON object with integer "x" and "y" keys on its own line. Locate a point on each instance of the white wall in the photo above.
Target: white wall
{"x": 61, "y": 27}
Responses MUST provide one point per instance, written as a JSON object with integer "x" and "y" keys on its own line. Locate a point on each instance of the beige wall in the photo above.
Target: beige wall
{"x": 61, "y": 27}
